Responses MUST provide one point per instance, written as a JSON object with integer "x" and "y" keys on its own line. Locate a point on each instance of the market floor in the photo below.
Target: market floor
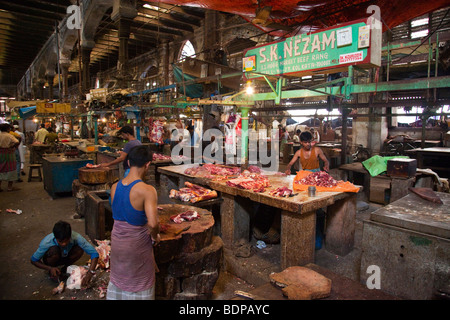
{"x": 20, "y": 235}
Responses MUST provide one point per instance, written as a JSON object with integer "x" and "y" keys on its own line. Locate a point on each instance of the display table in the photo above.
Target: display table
{"x": 298, "y": 218}
{"x": 379, "y": 189}
{"x": 409, "y": 241}
{"x": 37, "y": 151}
{"x": 60, "y": 172}
{"x": 436, "y": 159}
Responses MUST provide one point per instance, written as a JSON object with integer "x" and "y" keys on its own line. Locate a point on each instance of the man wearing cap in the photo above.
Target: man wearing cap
{"x": 127, "y": 133}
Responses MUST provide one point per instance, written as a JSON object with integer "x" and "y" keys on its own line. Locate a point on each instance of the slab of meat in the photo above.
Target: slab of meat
{"x": 211, "y": 170}
{"x": 92, "y": 166}
{"x": 254, "y": 169}
{"x": 250, "y": 181}
{"x": 189, "y": 215}
{"x": 193, "y": 193}
{"x": 281, "y": 192}
{"x": 104, "y": 251}
{"x": 319, "y": 179}
{"x": 158, "y": 156}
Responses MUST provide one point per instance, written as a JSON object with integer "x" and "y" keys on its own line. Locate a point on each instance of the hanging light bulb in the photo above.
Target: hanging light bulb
{"x": 249, "y": 89}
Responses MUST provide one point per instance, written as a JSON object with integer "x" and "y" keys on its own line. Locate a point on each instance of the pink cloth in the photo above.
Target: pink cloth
{"x": 132, "y": 259}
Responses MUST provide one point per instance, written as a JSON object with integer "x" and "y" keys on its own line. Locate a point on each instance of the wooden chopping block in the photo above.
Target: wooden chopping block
{"x": 300, "y": 283}
{"x": 427, "y": 194}
{"x": 95, "y": 175}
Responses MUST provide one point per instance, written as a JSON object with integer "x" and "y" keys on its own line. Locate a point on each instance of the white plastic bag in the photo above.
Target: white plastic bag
{"x": 77, "y": 274}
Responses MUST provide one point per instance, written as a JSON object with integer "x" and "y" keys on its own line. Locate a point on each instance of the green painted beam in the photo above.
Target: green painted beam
{"x": 400, "y": 85}
{"x": 414, "y": 84}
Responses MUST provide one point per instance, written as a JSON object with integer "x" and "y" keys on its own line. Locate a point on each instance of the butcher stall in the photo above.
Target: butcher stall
{"x": 241, "y": 191}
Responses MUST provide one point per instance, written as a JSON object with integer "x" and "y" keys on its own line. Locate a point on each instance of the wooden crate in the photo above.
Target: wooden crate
{"x": 98, "y": 215}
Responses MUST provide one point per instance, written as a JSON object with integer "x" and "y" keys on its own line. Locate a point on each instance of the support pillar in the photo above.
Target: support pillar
{"x": 85, "y": 60}
{"x": 123, "y": 14}
{"x": 244, "y": 135}
{"x": 49, "y": 79}
{"x": 65, "y": 82}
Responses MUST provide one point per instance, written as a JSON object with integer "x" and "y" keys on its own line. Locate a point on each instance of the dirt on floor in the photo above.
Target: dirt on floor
{"x": 20, "y": 235}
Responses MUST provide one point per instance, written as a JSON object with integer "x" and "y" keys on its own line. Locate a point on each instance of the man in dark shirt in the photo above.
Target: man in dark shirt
{"x": 127, "y": 133}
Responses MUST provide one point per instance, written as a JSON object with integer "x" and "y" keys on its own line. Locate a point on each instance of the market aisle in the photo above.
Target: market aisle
{"x": 20, "y": 236}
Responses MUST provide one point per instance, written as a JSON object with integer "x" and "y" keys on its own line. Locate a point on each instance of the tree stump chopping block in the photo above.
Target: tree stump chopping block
{"x": 188, "y": 261}
{"x": 95, "y": 175}
{"x": 174, "y": 243}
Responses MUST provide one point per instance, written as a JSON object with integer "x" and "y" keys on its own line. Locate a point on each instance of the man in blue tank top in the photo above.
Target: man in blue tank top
{"x": 135, "y": 231}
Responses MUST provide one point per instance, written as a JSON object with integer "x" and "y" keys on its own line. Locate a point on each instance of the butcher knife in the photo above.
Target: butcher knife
{"x": 427, "y": 194}
{"x": 182, "y": 230}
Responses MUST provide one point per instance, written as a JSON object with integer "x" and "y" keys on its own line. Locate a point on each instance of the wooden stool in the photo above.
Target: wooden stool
{"x": 30, "y": 171}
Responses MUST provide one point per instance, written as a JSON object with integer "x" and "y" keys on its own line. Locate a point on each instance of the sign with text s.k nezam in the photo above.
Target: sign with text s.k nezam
{"x": 325, "y": 51}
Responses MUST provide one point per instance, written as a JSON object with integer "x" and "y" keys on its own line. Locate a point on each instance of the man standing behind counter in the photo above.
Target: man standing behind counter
{"x": 127, "y": 133}
{"x": 308, "y": 156}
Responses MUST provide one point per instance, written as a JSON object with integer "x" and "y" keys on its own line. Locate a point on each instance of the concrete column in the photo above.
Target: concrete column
{"x": 123, "y": 14}
{"x": 124, "y": 25}
{"x": 49, "y": 79}
{"x": 65, "y": 82}
{"x": 165, "y": 57}
{"x": 85, "y": 60}
{"x": 41, "y": 84}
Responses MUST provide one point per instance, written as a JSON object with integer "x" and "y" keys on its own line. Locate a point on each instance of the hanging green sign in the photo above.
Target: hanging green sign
{"x": 329, "y": 50}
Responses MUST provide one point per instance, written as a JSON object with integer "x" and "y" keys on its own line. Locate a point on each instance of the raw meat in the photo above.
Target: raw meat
{"x": 254, "y": 169}
{"x": 59, "y": 288}
{"x": 210, "y": 169}
{"x": 319, "y": 179}
{"x": 158, "y": 156}
{"x": 157, "y": 130}
{"x": 92, "y": 166}
{"x": 189, "y": 215}
{"x": 18, "y": 211}
{"x": 104, "y": 251}
{"x": 281, "y": 192}
{"x": 250, "y": 181}
{"x": 163, "y": 227}
{"x": 77, "y": 274}
{"x": 193, "y": 193}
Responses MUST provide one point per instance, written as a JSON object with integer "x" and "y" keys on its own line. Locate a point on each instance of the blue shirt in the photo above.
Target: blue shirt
{"x": 122, "y": 208}
{"x": 76, "y": 239}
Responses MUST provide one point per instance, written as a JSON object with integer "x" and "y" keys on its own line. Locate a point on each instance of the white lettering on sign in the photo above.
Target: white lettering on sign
{"x": 273, "y": 53}
{"x": 351, "y": 57}
{"x": 297, "y": 46}
{"x": 262, "y": 55}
